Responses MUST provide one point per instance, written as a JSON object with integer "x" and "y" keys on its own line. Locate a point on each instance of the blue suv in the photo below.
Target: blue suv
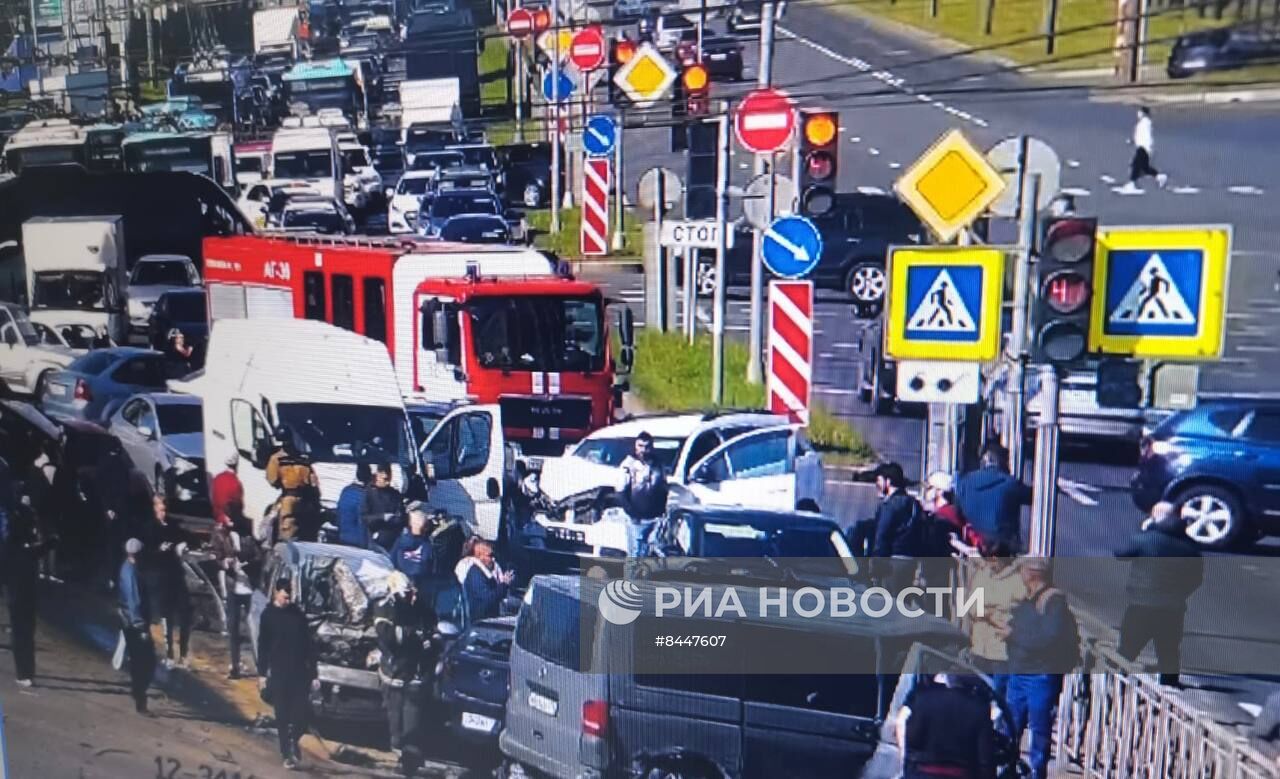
{"x": 1220, "y": 462}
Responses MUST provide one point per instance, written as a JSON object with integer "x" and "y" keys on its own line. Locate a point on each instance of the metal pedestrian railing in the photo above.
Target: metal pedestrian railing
{"x": 1117, "y": 722}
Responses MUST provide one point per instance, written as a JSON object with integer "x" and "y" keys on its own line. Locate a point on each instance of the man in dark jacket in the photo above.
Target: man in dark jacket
{"x": 898, "y": 527}
{"x": 411, "y": 553}
{"x": 352, "y": 530}
{"x": 383, "y": 508}
{"x": 402, "y": 666}
{"x": 945, "y": 730}
{"x": 484, "y": 583}
{"x": 992, "y": 500}
{"x": 1166, "y": 569}
{"x": 1043, "y": 642}
{"x": 287, "y": 669}
{"x": 22, "y": 550}
{"x": 165, "y": 576}
{"x": 643, "y": 491}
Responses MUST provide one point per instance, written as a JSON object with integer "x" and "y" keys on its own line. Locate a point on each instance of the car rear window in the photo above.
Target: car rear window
{"x": 551, "y": 628}
{"x": 91, "y": 364}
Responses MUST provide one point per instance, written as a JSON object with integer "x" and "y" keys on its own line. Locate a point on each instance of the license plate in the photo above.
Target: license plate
{"x": 719, "y": 57}
{"x": 543, "y": 704}
{"x": 478, "y": 722}
{"x": 565, "y": 534}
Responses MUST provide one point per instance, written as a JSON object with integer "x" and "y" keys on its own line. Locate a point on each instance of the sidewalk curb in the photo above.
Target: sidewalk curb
{"x": 629, "y": 265}
{"x": 1197, "y": 97}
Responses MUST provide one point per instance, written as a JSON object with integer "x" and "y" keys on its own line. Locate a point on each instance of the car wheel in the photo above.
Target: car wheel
{"x": 866, "y": 284}
{"x": 705, "y": 283}
{"x": 1214, "y": 517}
{"x": 532, "y": 196}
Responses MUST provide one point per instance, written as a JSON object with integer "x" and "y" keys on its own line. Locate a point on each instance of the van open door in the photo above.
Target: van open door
{"x": 466, "y": 456}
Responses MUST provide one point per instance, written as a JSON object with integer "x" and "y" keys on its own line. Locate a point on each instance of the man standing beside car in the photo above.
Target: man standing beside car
{"x": 1166, "y": 569}
{"x": 402, "y": 644}
{"x": 644, "y": 493}
{"x": 287, "y": 668}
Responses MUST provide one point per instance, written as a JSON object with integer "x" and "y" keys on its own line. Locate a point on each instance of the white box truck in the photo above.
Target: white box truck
{"x": 77, "y": 272}
{"x": 334, "y": 389}
{"x": 276, "y": 32}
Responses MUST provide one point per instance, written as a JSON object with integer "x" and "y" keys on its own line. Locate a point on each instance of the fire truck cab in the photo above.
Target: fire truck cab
{"x": 487, "y": 325}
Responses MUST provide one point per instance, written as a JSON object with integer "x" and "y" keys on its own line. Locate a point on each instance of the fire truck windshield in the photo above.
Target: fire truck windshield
{"x": 341, "y": 433}
{"x": 538, "y": 333}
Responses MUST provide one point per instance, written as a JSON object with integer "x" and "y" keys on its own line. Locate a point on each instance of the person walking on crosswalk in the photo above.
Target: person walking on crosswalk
{"x": 1143, "y": 148}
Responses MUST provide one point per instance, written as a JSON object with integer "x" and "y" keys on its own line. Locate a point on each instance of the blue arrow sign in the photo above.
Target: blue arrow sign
{"x": 549, "y": 86}
{"x": 792, "y": 247}
{"x": 600, "y": 135}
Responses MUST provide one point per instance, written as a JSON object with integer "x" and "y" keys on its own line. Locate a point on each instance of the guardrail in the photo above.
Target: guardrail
{"x": 1117, "y": 722}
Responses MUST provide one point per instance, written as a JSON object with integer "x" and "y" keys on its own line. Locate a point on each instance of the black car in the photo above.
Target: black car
{"x": 476, "y": 228}
{"x": 856, "y": 236}
{"x": 1220, "y": 464}
{"x": 526, "y": 170}
{"x": 1221, "y": 49}
{"x": 730, "y": 532}
{"x": 182, "y": 310}
{"x": 473, "y": 681}
{"x": 722, "y": 57}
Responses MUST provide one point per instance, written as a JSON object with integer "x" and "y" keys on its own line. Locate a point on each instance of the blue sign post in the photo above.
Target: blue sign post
{"x": 549, "y": 85}
{"x": 600, "y": 135}
{"x": 792, "y": 247}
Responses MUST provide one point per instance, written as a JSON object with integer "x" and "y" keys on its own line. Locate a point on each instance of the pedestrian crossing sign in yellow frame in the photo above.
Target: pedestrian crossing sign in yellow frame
{"x": 1160, "y": 292}
{"x": 944, "y": 303}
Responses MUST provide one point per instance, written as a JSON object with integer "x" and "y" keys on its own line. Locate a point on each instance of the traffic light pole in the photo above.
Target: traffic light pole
{"x": 1014, "y": 422}
{"x": 619, "y": 208}
{"x": 718, "y": 315}
{"x": 755, "y": 334}
{"x": 1044, "y": 485}
{"x": 555, "y": 117}
{"x": 519, "y": 90}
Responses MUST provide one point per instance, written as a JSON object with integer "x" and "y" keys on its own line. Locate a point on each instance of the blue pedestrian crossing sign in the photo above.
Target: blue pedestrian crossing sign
{"x": 944, "y": 303}
{"x": 600, "y": 136}
{"x": 549, "y": 85}
{"x": 1160, "y": 292}
{"x": 792, "y": 247}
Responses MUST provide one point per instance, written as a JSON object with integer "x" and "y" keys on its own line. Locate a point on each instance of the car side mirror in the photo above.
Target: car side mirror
{"x": 11, "y": 338}
{"x": 146, "y": 432}
{"x": 627, "y": 327}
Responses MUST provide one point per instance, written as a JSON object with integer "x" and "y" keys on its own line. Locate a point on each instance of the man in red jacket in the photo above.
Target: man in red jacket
{"x": 227, "y": 496}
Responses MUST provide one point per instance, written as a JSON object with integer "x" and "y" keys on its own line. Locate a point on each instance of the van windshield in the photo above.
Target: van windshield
{"x": 81, "y": 290}
{"x": 303, "y": 165}
{"x": 341, "y": 433}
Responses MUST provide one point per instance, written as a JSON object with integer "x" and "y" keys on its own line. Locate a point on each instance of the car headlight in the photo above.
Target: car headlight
{"x": 182, "y": 465}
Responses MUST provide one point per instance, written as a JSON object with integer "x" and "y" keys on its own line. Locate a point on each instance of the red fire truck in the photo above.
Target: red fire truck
{"x": 493, "y": 324}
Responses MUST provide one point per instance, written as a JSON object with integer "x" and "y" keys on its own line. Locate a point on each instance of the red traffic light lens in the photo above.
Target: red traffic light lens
{"x": 624, "y": 51}
{"x": 1063, "y": 342}
{"x": 819, "y": 165}
{"x": 1066, "y": 292}
{"x": 820, "y": 129}
{"x": 1070, "y": 240}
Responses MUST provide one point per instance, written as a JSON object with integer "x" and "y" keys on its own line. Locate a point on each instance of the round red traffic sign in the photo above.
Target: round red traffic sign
{"x": 520, "y": 22}
{"x": 587, "y": 51}
{"x": 764, "y": 120}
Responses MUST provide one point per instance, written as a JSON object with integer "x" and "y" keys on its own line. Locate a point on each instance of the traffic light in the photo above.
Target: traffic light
{"x": 1064, "y": 288}
{"x": 696, "y": 84}
{"x": 819, "y": 152}
{"x": 621, "y": 51}
{"x": 700, "y": 183}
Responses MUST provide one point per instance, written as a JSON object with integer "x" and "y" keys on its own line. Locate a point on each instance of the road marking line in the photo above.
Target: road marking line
{"x": 895, "y": 165}
{"x": 1073, "y": 163}
{"x": 873, "y": 151}
{"x": 855, "y": 139}
{"x": 1076, "y": 191}
{"x": 1245, "y": 189}
{"x": 1185, "y": 190}
{"x": 834, "y": 390}
{"x": 1105, "y": 179}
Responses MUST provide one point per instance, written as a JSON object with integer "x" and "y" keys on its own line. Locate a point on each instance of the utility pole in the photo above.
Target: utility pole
{"x": 1044, "y": 484}
{"x": 35, "y": 46}
{"x": 755, "y": 327}
{"x": 1028, "y": 192}
{"x": 151, "y": 49}
{"x": 555, "y": 116}
{"x": 718, "y": 315}
{"x": 519, "y": 89}
{"x": 619, "y": 208}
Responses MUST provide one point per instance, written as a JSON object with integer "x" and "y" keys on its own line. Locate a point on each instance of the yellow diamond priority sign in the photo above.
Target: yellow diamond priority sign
{"x": 950, "y": 185}
{"x": 646, "y": 78}
{"x": 547, "y": 42}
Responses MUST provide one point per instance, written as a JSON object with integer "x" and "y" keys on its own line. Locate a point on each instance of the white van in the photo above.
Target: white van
{"x": 308, "y": 155}
{"x": 77, "y": 272}
{"x": 335, "y": 389}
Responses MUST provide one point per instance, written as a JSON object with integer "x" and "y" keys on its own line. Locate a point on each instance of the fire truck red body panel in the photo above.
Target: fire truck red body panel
{"x": 379, "y": 289}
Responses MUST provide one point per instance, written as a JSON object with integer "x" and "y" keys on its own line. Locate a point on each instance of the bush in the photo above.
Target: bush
{"x": 671, "y": 375}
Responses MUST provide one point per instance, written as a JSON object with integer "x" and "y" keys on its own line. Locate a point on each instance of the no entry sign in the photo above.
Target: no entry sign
{"x": 520, "y": 23}
{"x": 586, "y": 51}
{"x": 764, "y": 121}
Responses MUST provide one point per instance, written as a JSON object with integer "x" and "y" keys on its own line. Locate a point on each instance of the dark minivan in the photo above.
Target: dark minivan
{"x": 626, "y": 716}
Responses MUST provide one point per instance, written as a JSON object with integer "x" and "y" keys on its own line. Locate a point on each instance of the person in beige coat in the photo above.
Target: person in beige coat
{"x": 996, "y": 575}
